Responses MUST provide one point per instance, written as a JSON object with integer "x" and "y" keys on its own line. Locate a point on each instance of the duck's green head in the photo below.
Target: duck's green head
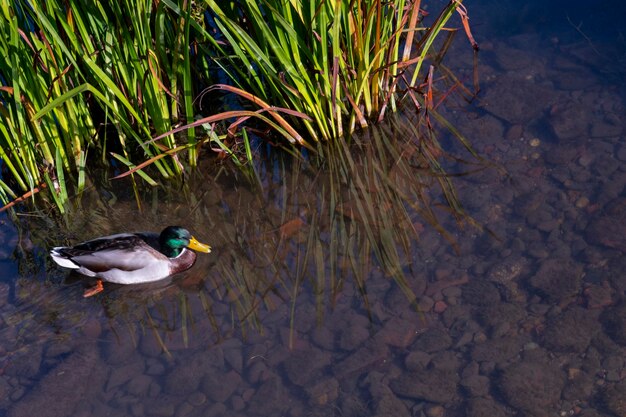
{"x": 174, "y": 239}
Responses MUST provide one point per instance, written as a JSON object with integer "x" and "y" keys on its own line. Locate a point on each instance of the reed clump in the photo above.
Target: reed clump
{"x": 90, "y": 82}
{"x": 342, "y": 63}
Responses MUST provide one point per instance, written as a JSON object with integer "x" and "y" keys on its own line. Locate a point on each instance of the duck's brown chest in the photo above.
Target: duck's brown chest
{"x": 183, "y": 262}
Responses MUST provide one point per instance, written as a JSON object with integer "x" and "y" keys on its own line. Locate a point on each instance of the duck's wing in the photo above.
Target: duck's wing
{"x": 120, "y": 241}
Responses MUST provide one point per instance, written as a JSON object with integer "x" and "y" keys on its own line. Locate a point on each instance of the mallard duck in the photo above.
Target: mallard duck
{"x": 131, "y": 258}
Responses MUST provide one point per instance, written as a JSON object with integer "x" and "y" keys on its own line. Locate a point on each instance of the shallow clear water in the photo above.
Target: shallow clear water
{"x": 304, "y": 307}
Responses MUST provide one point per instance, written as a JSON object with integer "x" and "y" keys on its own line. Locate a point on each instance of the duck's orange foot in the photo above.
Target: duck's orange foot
{"x": 94, "y": 290}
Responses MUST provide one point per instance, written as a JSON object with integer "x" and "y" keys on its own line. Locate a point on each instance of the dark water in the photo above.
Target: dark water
{"x": 304, "y": 307}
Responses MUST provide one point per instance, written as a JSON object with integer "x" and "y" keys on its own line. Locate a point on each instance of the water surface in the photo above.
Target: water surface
{"x": 314, "y": 305}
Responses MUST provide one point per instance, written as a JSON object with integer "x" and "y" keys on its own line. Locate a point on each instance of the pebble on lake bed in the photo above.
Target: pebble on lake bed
{"x": 582, "y": 202}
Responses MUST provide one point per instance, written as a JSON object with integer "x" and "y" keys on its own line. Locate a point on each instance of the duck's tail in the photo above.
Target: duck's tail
{"x": 62, "y": 259}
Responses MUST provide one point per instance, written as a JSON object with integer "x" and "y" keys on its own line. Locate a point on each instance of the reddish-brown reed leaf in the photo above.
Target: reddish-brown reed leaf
{"x": 24, "y": 197}
{"x": 465, "y": 20}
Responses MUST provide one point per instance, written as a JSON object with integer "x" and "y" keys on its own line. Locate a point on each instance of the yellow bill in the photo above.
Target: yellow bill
{"x": 197, "y": 246}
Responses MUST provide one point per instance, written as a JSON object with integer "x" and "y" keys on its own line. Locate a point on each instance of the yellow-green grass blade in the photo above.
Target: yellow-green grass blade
{"x": 131, "y": 166}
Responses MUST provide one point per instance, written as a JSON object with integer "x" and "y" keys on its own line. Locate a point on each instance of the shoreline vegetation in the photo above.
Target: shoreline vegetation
{"x": 142, "y": 88}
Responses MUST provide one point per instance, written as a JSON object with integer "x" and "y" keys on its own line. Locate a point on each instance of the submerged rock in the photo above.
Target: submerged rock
{"x": 433, "y": 340}
{"x": 598, "y": 296}
{"x": 354, "y": 332}
{"x": 569, "y": 120}
{"x": 27, "y": 363}
{"x": 606, "y": 127}
{"x": 163, "y": 405}
{"x": 369, "y": 354}
{"x": 506, "y": 273}
{"x": 122, "y": 374}
{"x": 614, "y": 321}
{"x": 571, "y": 331}
{"x": 62, "y": 389}
{"x": 219, "y": 387}
{"x": 303, "y": 366}
{"x": 186, "y": 376}
{"x": 483, "y": 407}
{"x": 480, "y": 293}
{"x": 517, "y": 100}
{"x": 5, "y": 390}
{"x": 498, "y": 315}
{"x": 270, "y": 399}
{"x": 386, "y": 403}
{"x": 609, "y": 228}
{"x": 499, "y": 350}
{"x": 476, "y": 385}
{"x": 532, "y": 386}
{"x": 579, "y": 385}
{"x": 416, "y": 360}
{"x": 399, "y": 332}
{"x": 323, "y": 391}
{"x": 614, "y": 399}
{"x": 558, "y": 279}
{"x": 427, "y": 384}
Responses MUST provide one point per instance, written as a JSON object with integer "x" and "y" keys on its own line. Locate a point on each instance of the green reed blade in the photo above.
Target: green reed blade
{"x": 130, "y": 165}
{"x": 82, "y": 166}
